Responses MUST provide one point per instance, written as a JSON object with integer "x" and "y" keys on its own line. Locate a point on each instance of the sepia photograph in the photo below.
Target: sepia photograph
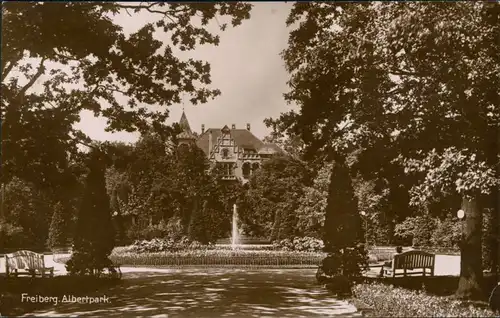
{"x": 250, "y": 159}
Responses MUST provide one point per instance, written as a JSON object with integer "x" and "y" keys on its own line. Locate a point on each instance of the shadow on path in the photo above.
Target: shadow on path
{"x": 213, "y": 293}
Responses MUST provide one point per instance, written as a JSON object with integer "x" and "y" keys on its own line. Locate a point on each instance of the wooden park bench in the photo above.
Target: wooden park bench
{"x": 411, "y": 263}
{"x": 29, "y": 262}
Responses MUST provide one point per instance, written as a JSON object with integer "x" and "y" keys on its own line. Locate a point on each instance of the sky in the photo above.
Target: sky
{"x": 246, "y": 67}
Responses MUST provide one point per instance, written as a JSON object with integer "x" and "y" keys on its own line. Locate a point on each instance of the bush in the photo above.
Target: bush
{"x": 349, "y": 262}
{"x": 448, "y": 233}
{"x": 300, "y": 244}
{"x": 149, "y": 232}
{"x": 389, "y": 301}
{"x": 174, "y": 228}
{"x": 165, "y": 245}
{"x": 418, "y": 229}
{"x": 340, "y": 269}
{"x": 11, "y": 235}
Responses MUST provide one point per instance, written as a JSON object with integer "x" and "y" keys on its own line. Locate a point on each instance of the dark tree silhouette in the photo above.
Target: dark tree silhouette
{"x": 94, "y": 236}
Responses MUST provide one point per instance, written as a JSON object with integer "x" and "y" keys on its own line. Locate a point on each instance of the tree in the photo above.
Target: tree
{"x": 292, "y": 145}
{"x": 373, "y": 200}
{"x": 100, "y": 55}
{"x": 274, "y": 193}
{"x": 94, "y": 238}
{"x": 29, "y": 209}
{"x": 58, "y": 232}
{"x": 188, "y": 180}
{"x": 312, "y": 204}
{"x": 416, "y": 80}
{"x": 200, "y": 224}
{"x": 83, "y": 60}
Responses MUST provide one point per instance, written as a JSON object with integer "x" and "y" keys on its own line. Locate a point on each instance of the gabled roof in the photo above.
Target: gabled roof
{"x": 242, "y": 137}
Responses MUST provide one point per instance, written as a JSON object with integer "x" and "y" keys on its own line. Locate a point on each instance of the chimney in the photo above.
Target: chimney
{"x": 233, "y": 126}
{"x": 248, "y": 127}
{"x": 202, "y": 128}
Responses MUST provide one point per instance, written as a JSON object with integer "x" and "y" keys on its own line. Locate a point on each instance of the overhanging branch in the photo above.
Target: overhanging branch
{"x": 41, "y": 70}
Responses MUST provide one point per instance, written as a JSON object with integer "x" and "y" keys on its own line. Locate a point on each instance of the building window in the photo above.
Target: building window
{"x": 246, "y": 168}
{"x": 230, "y": 169}
{"x": 225, "y": 153}
{"x": 227, "y": 169}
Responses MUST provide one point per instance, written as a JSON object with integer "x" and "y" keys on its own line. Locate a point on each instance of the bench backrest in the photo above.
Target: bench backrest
{"x": 24, "y": 259}
{"x": 413, "y": 259}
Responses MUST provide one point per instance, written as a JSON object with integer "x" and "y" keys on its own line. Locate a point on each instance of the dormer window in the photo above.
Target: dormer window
{"x": 225, "y": 130}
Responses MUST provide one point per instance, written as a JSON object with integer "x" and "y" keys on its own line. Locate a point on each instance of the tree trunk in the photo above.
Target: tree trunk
{"x": 471, "y": 271}
{"x": 495, "y": 249}
{"x": 2, "y": 204}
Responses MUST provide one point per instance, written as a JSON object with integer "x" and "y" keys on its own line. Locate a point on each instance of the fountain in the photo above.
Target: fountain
{"x": 235, "y": 235}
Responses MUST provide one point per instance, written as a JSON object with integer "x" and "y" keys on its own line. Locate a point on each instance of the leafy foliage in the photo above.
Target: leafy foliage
{"x": 29, "y": 209}
{"x": 418, "y": 229}
{"x": 312, "y": 204}
{"x": 375, "y": 204}
{"x": 83, "y": 60}
{"x": 453, "y": 170}
{"x": 414, "y": 82}
{"x": 448, "y": 232}
{"x": 273, "y": 194}
{"x": 301, "y": 244}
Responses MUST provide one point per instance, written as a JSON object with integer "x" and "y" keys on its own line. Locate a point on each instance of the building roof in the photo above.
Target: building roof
{"x": 243, "y": 138}
{"x": 269, "y": 149}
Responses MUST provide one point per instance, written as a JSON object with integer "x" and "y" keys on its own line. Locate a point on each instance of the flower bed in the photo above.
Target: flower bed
{"x": 380, "y": 300}
{"x": 240, "y": 258}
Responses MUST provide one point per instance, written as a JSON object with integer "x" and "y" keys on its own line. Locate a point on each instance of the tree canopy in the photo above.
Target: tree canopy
{"x": 61, "y": 58}
{"x": 410, "y": 85}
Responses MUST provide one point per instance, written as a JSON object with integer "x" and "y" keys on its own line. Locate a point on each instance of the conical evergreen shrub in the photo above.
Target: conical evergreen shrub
{"x": 94, "y": 236}
{"x": 58, "y": 227}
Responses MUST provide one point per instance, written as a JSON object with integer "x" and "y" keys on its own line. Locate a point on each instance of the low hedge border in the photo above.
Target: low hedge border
{"x": 252, "y": 260}
{"x": 227, "y": 266}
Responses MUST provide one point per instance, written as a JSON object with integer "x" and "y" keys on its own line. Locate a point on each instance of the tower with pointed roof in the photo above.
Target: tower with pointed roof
{"x": 186, "y": 137}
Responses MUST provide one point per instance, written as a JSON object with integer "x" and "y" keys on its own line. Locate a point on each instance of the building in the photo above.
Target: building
{"x": 237, "y": 151}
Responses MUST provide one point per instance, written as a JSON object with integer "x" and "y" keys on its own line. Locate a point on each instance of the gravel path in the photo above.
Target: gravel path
{"x": 211, "y": 293}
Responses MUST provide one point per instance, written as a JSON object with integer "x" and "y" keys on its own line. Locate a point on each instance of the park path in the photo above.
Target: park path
{"x": 211, "y": 293}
